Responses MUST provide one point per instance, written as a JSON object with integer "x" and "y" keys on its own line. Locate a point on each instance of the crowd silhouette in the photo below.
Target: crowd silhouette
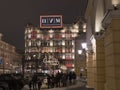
{"x": 59, "y": 79}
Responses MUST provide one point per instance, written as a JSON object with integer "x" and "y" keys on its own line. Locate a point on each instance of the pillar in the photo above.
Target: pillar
{"x": 112, "y": 50}
{"x": 90, "y": 70}
{"x": 111, "y": 23}
{"x": 100, "y": 64}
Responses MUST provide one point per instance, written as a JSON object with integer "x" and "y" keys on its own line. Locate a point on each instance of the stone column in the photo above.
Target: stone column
{"x": 112, "y": 50}
{"x": 100, "y": 64}
{"x": 77, "y": 65}
{"x": 90, "y": 70}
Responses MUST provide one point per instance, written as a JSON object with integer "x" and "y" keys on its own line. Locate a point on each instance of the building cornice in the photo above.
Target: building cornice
{"x": 109, "y": 16}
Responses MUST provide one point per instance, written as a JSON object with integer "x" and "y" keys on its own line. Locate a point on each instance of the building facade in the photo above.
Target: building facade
{"x": 103, "y": 41}
{"x": 10, "y": 60}
{"x": 45, "y": 48}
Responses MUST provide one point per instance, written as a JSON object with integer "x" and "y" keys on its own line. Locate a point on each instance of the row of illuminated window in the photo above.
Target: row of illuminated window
{"x": 50, "y": 43}
{"x": 58, "y": 49}
{"x": 68, "y": 56}
{"x": 6, "y": 47}
{"x": 64, "y": 30}
{"x": 52, "y": 49}
{"x": 50, "y": 36}
{"x": 70, "y": 63}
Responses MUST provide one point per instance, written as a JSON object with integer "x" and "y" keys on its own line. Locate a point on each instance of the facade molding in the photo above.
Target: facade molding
{"x": 110, "y": 14}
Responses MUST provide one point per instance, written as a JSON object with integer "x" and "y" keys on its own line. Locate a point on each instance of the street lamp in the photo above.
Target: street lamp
{"x": 84, "y": 45}
{"x": 82, "y": 61}
{"x": 84, "y": 52}
{"x": 79, "y": 52}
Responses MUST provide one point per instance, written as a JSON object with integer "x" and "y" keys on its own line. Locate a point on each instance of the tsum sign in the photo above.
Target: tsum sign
{"x": 51, "y": 21}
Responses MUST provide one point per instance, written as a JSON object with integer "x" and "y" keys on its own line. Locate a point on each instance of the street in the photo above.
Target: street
{"x": 80, "y": 84}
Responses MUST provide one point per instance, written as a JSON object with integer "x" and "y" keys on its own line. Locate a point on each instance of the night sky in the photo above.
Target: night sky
{"x": 15, "y": 14}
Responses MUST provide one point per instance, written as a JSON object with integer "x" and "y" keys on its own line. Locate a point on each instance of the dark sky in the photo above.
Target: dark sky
{"x": 15, "y": 14}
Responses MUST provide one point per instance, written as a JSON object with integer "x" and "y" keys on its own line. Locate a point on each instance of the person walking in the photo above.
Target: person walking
{"x": 40, "y": 80}
{"x": 74, "y": 77}
{"x": 49, "y": 80}
{"x": 34, "y": 81}
{"x": 52, "y": 81}
{"x": 64, "y": 80}
{"x": 58, "y": 79}
{"x": 30, "y": 84}
{"x": 70, "y": 77}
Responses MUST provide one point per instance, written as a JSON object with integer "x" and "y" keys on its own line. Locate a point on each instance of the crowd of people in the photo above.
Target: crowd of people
{"x": 35, "y": 82}
{"x": 59, "y": 79}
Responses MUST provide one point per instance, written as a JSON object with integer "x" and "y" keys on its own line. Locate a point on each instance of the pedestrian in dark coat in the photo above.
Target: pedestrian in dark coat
{"x": 70, "y": 77}
{"x": 40, "y": 83}
{"x": 74, "y": 77}
{"x": 30, "y": 84}
{"x": 49, "y": 81}
{"x": 34, "y": 81}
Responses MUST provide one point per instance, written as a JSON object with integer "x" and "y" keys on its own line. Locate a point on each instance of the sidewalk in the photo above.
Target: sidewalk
{"x": 78, "y": 84}
{"x": 69, "y": 87}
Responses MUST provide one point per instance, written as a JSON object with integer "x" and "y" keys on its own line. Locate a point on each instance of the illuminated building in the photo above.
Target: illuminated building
{"x": 60, "y": 43}
{"x": 103, "y": 41}
{"x": 10, "y": 60}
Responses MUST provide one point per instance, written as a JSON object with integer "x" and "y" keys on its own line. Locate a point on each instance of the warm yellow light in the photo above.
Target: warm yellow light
{"x": 51, "y": 43}
{"x": 115, "y": 2}
{"x": 51, "y": 50}
{"x": 29, "y": 43}
{"x": 63, "y": 30}
{"x": 74, "y": 35}
{"x": 63, "y": 50}
{"x": 29, "y": 31}
{"x": 73, "y": 50}
{"x": 63, "y": 43}
{"x": 79, "y": 51}
{"x": 73, "y": 57}
{"x": 34, "y": 55}
{"x": 38, "y": 35}
{"x": 63, "y": 35}
{"x": 84, "y": 25}
{"x": 51, "y": 35}
{"x": 76, "y": 26}
{"x": 73, "y": 42}
{"x": 84, "y": 30}
{"x": 63, "y": 57}
{"x": 51, "y": 31}
{"x": 84, "y": 45}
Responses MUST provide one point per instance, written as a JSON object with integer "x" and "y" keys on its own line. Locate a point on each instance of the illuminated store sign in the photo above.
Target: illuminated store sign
{"x": 51, "y": 21}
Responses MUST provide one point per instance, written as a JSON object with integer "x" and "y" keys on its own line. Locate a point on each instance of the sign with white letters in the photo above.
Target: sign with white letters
{"x": 51, "y": 21}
